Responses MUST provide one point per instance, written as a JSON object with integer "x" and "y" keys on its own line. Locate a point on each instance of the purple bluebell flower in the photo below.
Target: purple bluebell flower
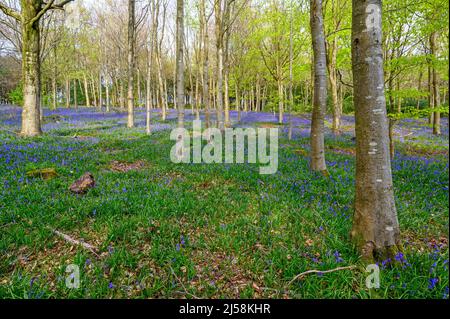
{"x": 432, "y": 283}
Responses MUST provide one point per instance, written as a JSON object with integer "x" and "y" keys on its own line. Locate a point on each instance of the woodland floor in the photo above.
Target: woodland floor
{"x": 216, "y": 231}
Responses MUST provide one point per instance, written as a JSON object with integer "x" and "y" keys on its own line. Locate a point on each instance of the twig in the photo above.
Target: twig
{"x": 71, "y": 240}
{"x": 314, "y": 271}
{"x": 181, "y": 283}
{"x": 67, "y": 238}
{"x": 6, "y": 225}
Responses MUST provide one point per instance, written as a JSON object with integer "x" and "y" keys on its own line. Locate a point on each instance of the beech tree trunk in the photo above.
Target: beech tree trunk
{"x": 131, "y": 62}
{"x": 86, "y": 89}
{"x": 75, "y": 96}
{"x": 205, "y": 56}
{"x": 67, "y": 93}
{"x": 337, "y": 107}
{"x": 31, "y": 74}
{"x": 180, "y": 62}
{"x": 320, "y": 89}
{"x": 220, "y": 60}
{"x": 375, "y": 226}
{"x": 435, "y": 88}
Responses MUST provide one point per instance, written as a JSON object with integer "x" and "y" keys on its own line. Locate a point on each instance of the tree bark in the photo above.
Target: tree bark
{"x": 375, "y": 226}
{"x": 219, "y": 53}
{"x": 75, "y": 95}
{"x": 31, "y": 70}
{"x": 205, "y": 67}
{"x": 435, "y": 88}
{"x": 131, "y": 62}
{"x": 86, "y": 89}
{"x": 180, "y": 62}
{"x": 67, "y": 93}
{"x": 320, "y": 89}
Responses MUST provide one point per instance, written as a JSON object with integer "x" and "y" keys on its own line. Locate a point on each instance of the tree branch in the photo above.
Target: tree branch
{"x": 50, "y": 6}
{"x": 10, "y": 12}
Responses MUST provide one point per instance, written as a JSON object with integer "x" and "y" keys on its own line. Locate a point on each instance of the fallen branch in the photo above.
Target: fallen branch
{"x": 67, "y": 238}
{"x": 181, "y": 283}
{"x": 314, "y": 271}
{"x": 73, "y": 241}
{"x": 6, "y": 225}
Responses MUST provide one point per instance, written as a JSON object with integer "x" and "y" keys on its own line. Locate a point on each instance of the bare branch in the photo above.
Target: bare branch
{"x": 10, "y": 12}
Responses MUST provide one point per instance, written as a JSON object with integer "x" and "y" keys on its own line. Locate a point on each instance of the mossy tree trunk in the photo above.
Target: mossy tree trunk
{"x": 31, "y": 74}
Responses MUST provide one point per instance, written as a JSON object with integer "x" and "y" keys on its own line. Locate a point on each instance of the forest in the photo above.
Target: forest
{"x": 319, "y": 134}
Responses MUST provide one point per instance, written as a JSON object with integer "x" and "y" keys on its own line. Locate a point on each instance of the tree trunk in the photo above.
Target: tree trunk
{"x": 337, "y": 110}
{"x": 180, "y": 62}
{"x": 86, "y": 89}
{"x": 436, "y": 115}
{"x": 419, "y": 88}
{"x": 94, "y": 92}
{"x": 107, "y": 94}
{"x": 31, "y": 77}
{"x": 320, "y": 89}
{"x": 205, "y": 66}
{"x": 55, "y": 92}
{"x": 219, "y": 53}
{"x": 131, "y": 62}
{"x": 100, "y": 92}
{"x": 67, "y": 93}
{"x": 291, "y": 75}
{"x": 75, "y": 95}
{"x": 375, "y": 226}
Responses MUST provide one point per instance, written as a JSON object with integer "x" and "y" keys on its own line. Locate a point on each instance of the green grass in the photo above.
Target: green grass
{"x": 245, "y": 235}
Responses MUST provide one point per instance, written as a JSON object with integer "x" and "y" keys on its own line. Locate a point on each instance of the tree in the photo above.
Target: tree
{"x": 205, "y": 60}
{"x": 320, "y": 89}
{"x": 375, "y": 229}
{"x": 131, "y": 61}
{"x": 31, "y": 13}
{"x": 180, "y": 62}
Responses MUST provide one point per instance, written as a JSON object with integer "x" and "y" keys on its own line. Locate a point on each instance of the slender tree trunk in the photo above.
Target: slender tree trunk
{"x": 419, "y": 88}
{"x": 138, "y": 84}
{"x": 86, "y": 90}
{"x": 67, "y": 93}
{"x": 430, "y": 93}
{"x": 100, "y": 92}
{"x": 238, "y": 101}
{"x": 54, "y": 79}
{"x": 107, "y": 94}
{"x": 320, "y": 89}
{"x": 437, "y": 114}
{"x": 337, "y": 110}
{"x": 375, "y": 225}
{"x": 94, "y": 92}
{"x": 131, "y": 62}
{"x": 291, "y": 75}
{"x": 75, "y": 95}
{"x": 219, "y": 54}
{"x": 55, "y": 92}
{"x": 180, "y": 62}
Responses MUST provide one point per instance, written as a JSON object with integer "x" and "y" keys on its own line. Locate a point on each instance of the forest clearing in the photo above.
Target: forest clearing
{"x": 95, "y": 98}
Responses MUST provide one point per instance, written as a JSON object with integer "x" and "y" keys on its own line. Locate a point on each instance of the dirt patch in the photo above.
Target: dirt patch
{"x": 421, "y": 244}
{"x": 221, "y": 272}
{"x": 419, "y": 151}
{"x": 123, "y": 167}
{"x": 343, "y": 150}
{"x": 301, "y": 152}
